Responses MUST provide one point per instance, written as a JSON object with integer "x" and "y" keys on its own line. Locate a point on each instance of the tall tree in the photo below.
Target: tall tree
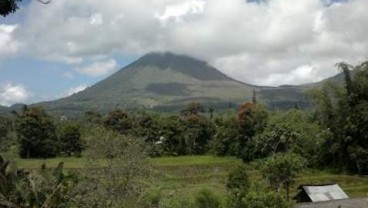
{"x": 117, "y": 166}
{"x": 342, "y": 111}
{"x": 226, "y": 135}
{"x": 198, "y": 132}
{"x": 36, "y": 134}
{"x": 70, "y": 139}
{"x": 119, "y": 121}
{"x": 252, "y": 119}
{"x": 172, "y": 135}
{"x": 290, "y": 131}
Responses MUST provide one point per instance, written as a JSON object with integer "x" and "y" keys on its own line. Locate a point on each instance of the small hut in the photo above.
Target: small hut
{"x": 320, "y": 193}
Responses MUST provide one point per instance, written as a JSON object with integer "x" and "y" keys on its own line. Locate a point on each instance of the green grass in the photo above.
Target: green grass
{"x": 186, "y": 175}
{"x": 193, "y": 160}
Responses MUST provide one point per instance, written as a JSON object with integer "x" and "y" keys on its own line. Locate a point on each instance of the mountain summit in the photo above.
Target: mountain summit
{"x": 160, "y": 81}
{"x": 183, "y": 64}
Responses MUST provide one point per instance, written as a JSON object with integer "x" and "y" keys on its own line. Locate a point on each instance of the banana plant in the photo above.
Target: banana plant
{"x": 37, "y": 189}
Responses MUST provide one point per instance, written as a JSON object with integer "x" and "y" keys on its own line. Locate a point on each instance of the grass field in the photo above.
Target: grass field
{"x": 185, "y": 176}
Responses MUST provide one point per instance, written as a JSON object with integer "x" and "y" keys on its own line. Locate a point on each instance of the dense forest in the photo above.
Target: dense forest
{"x": 333, "y": 135}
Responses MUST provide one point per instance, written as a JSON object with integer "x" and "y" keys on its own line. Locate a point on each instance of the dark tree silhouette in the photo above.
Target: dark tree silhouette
{"x": 10, "y": 6}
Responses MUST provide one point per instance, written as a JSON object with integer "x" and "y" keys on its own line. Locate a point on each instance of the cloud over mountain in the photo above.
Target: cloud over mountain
{"x": 12, "y": 93}
{"x": 260, "y": 42}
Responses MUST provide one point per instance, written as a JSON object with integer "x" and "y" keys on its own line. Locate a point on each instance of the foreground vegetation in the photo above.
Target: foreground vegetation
{"x": 185, "y": 176}
{"x": 252, "y": 157}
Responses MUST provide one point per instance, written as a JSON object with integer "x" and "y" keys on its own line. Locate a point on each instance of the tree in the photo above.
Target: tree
{"x": 91, "y": 117}
{"x": 290, "y": 131}
{"x": 252, "y": 119}
{"x": 193, "y": 108}
{"x": 117, "y": 165}
{"x": 281, "y": 169}
{"x": 172, "y": 135}
{"x": 70, "y": 139}
{"x": 36, "y": 134}
{"x": 226, "y": 135}
{"x": 10, "y": 6}
{"x": 146, "y": 126}
{"x": 198, "y": 132}
{"x": 5, "y": 128}
{"x": 342, "y": 111}
{"x": 118, "y": 121}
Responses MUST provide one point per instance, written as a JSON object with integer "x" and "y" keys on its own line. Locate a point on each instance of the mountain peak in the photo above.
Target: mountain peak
{"x": 184, "y": 64}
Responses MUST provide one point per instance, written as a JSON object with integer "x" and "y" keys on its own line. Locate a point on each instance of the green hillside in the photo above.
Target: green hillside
{"x": 155, "y": 81}
{"x": 167, "y": 82}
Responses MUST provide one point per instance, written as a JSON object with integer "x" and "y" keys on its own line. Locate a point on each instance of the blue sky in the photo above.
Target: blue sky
{"x": 51, "y": 51}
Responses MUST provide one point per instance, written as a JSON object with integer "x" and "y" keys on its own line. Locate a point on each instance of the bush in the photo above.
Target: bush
{"x": 238, "y": 185}
{"x": 206, "y": 199}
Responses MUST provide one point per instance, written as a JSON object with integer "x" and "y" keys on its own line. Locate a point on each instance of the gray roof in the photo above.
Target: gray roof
{"x": 324, "y": 192}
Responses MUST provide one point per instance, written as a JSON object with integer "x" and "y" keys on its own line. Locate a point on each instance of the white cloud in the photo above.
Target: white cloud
{"x": 254, "y": 42}
{"x": 13, "y": 93}
{"x": 180, "y": 9}
{"x": 98, "y": 68}
{"x": 96, "y": 19}
{"x": 74, "y": 90}
{"x": 8, "y": 45}
{"x": 300, "y": 75}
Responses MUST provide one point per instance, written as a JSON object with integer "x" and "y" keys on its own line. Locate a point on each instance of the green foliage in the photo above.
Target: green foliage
{"x": 91, "y": 117}
{"x": 225, "y": 140}
{"x": 172, "y": 133}
{"x": 198, "y": 132}
{"x": 36, "y": 189}
{"x": 117, "y": 165}
{"x": 5, "y": 130}
{"x": 193, "y": 108}
{"x": 242, "y": 195}
{"x": 206, "y": 199}
{"x": 290, "y": 131}
{"x": 70, "y": 139}
{"x": 146, "y": 126}
{"x": 153, "y": 199}
{"x": 238, "y": 186}
{"x": 36, "y": 134}
{"x": 281, "y": 170}
{"x": 252, "y": 119}
{"x": 118, "y": 121}
{"x": 343, "y": 111}
{"x": 238, "y": 182}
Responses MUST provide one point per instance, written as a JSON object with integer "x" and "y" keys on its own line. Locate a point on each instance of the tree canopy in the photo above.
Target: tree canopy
{"x": 36, "y": 134}
{"x": 343, "y": 112}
